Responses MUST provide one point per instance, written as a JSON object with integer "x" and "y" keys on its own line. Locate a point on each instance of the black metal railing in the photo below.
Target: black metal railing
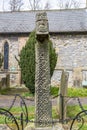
{"x": 18, "y": 122}
{"x": 78, "y": 121}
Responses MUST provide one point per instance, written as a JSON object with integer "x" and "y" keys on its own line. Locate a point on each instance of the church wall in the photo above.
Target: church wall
{"x": 15, "y": 42}
{"x": 72, "y": 56}
{"x": 71, "y": 51}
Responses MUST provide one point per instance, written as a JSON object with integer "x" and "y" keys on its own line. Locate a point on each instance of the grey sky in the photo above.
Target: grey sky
{"x": 26, "y": 4}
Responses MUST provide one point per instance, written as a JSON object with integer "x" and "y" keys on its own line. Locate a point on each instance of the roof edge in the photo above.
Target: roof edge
{"x": 72, "y": 9}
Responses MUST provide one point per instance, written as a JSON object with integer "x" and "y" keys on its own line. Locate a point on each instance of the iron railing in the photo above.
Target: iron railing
{"x": 18, "y": 122}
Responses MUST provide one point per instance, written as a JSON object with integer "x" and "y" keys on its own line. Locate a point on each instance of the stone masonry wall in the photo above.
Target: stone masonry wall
{"x": 72, "y": 56}
{"x": 15, "y": 45}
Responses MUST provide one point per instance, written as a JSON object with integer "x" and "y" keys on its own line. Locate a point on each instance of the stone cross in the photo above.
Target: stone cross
{"x": 43, "y": 105}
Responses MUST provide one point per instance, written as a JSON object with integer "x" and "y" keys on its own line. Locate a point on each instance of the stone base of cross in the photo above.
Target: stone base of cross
{"x": 47, "y": 128}
{"x": 57, "y": 126}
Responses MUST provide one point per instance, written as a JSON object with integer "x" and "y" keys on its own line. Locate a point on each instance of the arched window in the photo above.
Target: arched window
{"x": 6, "y": 55}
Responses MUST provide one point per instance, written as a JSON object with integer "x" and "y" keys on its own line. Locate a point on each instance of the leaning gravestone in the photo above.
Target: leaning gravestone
{"x": 62, "y": 100}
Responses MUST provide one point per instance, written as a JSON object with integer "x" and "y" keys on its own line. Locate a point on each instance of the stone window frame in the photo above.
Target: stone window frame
{"x": 5, "y": 41}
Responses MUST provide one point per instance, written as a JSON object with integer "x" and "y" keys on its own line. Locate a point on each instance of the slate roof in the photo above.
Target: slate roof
{"x": 59, "y": 21}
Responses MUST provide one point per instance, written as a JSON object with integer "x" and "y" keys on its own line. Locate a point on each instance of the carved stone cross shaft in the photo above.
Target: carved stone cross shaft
{"x": 42, "y": 75}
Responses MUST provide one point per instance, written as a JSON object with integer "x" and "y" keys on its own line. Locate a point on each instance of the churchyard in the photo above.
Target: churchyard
{"x": 64, "y": 109}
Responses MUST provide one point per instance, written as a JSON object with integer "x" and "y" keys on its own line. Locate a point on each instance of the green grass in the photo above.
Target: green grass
{"x": 84, "y": 127}
{"x": 54, "y": 91}
{"x": 18, "y": 110}
{"x": 5, "y": 91}
{"x": 77, "y": 92}
{"x": 31, "y": 113}
{"x": 71, "y": 112}
{"x": 27, "y": 94}
{"x": 72, "y": 92}
{"x": 2, "y": 119}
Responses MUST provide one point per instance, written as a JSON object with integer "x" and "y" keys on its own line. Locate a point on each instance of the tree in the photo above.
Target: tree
{"x": 66, "y": 4}
{"x": 47, "y": 6}
{"x": 1, "y": 60}
{"x": 34, "y": 4}
{"x": 37, "y": 5}
{"x": 15, "y": 5}
{"x": 27, "y": 62}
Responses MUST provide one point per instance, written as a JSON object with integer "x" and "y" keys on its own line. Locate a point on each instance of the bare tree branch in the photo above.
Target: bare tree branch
{"x": 15, "y": 5}
{"x": 34, "y": 4}
{"x": 47, "y": 6}
{"x": 66, "y": 4}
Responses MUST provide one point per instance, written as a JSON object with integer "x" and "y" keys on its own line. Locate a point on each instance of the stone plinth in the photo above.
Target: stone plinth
{"x": 58, "y": 126}
{"x": 44, "y": 128}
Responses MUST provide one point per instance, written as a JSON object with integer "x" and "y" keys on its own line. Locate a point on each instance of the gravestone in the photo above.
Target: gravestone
{"x": 62, "y": 100}
{"x": 77, "y": 77}
{"x": 5, "y": 81}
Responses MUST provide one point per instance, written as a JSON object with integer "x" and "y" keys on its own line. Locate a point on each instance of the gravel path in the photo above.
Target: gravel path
{"x": 6, "y": 101}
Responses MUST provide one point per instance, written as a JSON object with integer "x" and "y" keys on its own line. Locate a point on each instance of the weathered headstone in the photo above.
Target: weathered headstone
{"x": 77, "y": 77}
{"x": 42, "y": 75}
{"x": 5, "y": 81}
{"x": 62, "y": 100}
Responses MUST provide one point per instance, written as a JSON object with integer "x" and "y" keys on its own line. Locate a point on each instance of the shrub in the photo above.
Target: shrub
{"x": 27, "y": 62}
{"x": 1, "y": 60}
{"x": 54, "y": 91}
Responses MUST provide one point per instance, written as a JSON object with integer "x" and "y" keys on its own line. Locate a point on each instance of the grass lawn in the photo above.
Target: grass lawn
{"x": 71, "y": 112}
{"x": 72, "y": 92}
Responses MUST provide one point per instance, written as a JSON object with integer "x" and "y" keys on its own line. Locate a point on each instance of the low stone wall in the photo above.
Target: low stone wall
{"x": 9, "y": 79}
